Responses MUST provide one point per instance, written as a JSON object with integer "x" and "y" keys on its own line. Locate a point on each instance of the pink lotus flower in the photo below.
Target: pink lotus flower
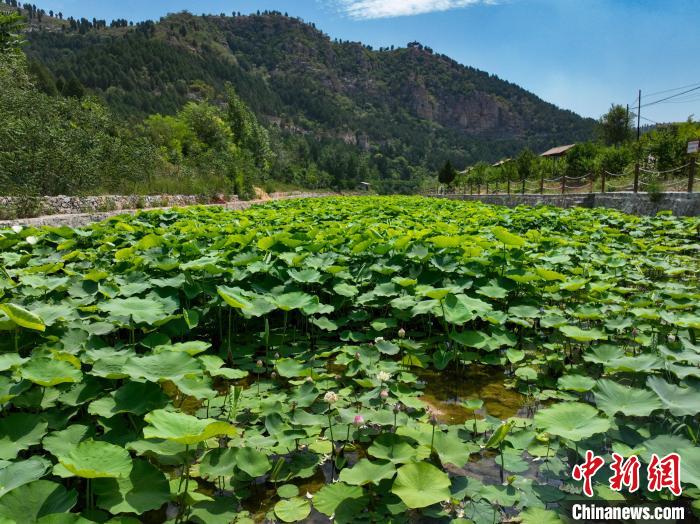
{"x": 359, "y": 420}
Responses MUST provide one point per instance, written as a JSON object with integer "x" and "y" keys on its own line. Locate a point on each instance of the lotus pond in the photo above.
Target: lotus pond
{"x": 356, "y": 359}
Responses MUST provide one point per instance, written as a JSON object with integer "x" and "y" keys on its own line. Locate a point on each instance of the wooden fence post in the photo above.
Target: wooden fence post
{"x": 563, "y": 184}
{"x": 602, "y": 182}
{"x": 542, "y": 182}
{"x": 691, "y": 175}
{"x": 636, "y": 177}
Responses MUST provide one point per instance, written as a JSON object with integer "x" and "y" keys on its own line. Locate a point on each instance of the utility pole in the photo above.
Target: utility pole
{"x": 639, "y": 134}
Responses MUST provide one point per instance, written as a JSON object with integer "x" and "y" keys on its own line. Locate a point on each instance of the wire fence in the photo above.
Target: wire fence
{"x": 638, "y": 179}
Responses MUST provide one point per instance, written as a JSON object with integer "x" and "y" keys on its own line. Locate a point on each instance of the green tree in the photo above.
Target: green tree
{"x": 10, "y": 32}
{"x": 614, "y": 126}
{"x": 524, "y": 165}
{"x": 580, "y": 160}
{"x": 247, "y": 131}
{"x": 73, "y": 88}
{"x": 44, "y": 81}
{"x": 447, "y": 174}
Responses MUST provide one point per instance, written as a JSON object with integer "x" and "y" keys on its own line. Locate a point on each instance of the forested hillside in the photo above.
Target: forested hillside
{"x": 337, "y": 112}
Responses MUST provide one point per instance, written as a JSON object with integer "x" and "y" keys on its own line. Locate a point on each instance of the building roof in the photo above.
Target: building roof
{"x": 558, "y": 151}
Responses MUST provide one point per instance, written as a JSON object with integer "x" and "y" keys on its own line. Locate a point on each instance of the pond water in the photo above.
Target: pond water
{"x": 445, "y": 392}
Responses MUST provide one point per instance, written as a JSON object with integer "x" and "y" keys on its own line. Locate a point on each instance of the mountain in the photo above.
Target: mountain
{"x": 407, "y": 103}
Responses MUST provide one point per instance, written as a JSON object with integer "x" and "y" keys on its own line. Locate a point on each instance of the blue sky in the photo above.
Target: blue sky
{"x": 579, "y": 54}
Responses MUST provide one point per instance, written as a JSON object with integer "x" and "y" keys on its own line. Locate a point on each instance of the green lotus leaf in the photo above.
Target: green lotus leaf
{"x": 499, "y": 435}
{"x": 60, "y": 443}
{"x": 540, "y": 516}
{"x": 514, "y": 355}
{"x": 28, "y": 503}
{"x": 493, "y": 291}
{"x": 508, "y": 238}
{"x": 614, "y": 398}
{"x": 23, "y": 317}
{"x": 292, "y": 510}
{"x": 571, "y": 420}
{"x": 645, "y": 362}
{"x": 367, "y": 472}
{"x": 288, "y": 491}
{"x": 341, "y": 501}
{"x": 182, "y": 428}
{"x": 137, "y": 398}
{"x": 393, "y": 448}
{"x": 581, "y": 335}
{"x": 19, "y": 431}
{"x": 690, "y": 466}
{"x": 94, "y": 459}
{"x": 292, "y": 301}
{"x": 421, "y": 484}
{"x": 346, "y": 290}
{"x": 11, "y": 361}
{"x": 472, "y": 339}
{"x": 526, "y": 373}
{"x": 387, "y": 348}
{"x": 250, "y": 305}
{"x": 219, "y": 510}
{"x": 17, "y": 474}
{"x": 144, "y": 489}
{"x": 48, "y": 372}
{"x": 290, "y": 368}
{"x": 168, "y": 365}
{"x": 549, "y": 275}
{"x": 218, "y": 462}
{"x": 191, "y": 347}
{"x": 578, "y": 383}
{"x": 325, "y": 323}
{"x": 524, "y": 311}
{"x": 680, "y": 401}
{"x": 141, "y": 310}
{"x": 305, "y": 276}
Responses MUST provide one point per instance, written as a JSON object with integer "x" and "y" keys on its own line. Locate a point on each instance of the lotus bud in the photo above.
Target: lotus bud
{"x": 378, "y": 340}
{"x": 384, "y": 394}
{"x": 309, "y": 379}
{"x": 357, "y": 355}
{"x": 397, "y": 407}
{"x": 359, "y": 420}
{"x": 330, "y": 397}
{"x": 277, "y": 356}
{"x": 433, "y": 419}
{"x": 383, "y": 376}
{"x": 259, "y": 363}
{"x": 671, "y": 337}
{"x": 402, "y": 333}
{"x": 635, "y": 332}
{"x": 273, "y": 375}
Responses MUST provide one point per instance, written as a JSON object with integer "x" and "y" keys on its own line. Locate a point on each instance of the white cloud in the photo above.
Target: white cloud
{"x": 369, "y": 9}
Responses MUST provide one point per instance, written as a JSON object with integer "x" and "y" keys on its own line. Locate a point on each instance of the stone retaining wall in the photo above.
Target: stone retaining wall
{"x": 93, "y": 212}
{"x": 65, "y": 205}
{"x": 680, "y": 204}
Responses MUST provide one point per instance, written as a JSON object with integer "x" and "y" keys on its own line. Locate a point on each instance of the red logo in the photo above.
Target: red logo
{"x": 662, "y": 473}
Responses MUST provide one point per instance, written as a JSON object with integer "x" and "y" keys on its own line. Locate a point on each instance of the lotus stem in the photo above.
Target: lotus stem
{"x": 330, "y": 429}
{"x": 500, "y": 450}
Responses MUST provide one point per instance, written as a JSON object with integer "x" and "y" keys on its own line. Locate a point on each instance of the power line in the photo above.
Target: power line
{"x": 671, "y": 90}
{"x": 671, "y": 97}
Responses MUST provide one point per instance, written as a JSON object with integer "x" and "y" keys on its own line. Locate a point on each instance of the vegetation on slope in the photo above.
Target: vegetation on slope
{"x": 338, "y": 112}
